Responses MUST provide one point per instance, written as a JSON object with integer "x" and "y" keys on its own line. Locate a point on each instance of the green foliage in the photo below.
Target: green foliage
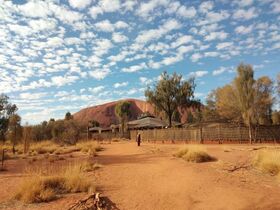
{"x": 14, "y": 132}
{"x": 276, "y": 118}
{"x": 123, "y": 112}
{"x": 68, "y": 116}
{"x": 245, "y": 92}
{"x": 6, "y": 110}
{"x": 59, "y": 130}
{"x": 170, "y": 93}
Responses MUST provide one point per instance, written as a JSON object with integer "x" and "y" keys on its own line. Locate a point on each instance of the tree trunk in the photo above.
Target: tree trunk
{"x": 250, "y": 133}
{"x": 170, "y": 120}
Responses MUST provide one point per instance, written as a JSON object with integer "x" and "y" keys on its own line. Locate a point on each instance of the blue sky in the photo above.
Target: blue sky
{"x": 58, "y": 56}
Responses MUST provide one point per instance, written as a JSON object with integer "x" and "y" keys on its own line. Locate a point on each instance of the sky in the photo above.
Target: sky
{"x": 58, "y": 56}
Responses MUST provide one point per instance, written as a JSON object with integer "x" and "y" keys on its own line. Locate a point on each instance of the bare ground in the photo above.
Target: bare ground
{"x": 150, "y": 178}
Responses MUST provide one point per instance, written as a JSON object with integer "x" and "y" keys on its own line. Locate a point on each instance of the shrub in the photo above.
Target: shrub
{"x": 44, "y": 188}
{"x": 90, "y": 166}
{"x": 268, "y": 161}
{"x": 89, "y": 147}
{"x": 195, "y": 154}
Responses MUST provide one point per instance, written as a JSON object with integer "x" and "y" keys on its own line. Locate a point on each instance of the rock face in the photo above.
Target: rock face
{"x": 105, "y": 113}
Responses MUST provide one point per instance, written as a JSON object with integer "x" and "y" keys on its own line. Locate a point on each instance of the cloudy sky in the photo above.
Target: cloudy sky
{"x": 58, "y": 56}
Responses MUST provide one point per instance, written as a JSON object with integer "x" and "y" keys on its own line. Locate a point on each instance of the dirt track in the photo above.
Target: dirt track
{"x": 148, "y": 177}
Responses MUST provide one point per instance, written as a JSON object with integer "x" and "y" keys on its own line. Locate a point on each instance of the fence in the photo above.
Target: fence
{"x": 219, "y": 134}
{"x": 108, "y": 136}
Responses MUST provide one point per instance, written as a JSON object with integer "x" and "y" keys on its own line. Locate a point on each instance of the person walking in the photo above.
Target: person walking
{"x": 138, "y": 139}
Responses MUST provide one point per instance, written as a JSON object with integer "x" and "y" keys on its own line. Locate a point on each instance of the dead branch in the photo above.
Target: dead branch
{"x": 92, "y": 202}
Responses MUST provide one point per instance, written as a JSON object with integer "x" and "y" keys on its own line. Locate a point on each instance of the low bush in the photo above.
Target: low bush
{"x": 268, "y": 161}
{"x": 195, "y": 154}
{"x": 44, "y": 188}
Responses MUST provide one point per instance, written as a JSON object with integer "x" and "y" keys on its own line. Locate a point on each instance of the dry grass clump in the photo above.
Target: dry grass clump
{"x": 43, "y": 147}
{"x": 194, "y": 153}
{"x": 43, "y": 188}
{"x": 67, "y": 150}
{"x": 89, "y": 147}
{"x": 268, "y": 161}
{"x": 90, "y": 166}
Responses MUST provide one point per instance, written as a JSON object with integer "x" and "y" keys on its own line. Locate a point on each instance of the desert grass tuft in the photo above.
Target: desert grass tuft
{"x": 43, "y": 187}
{"x": 90, "y": 166}
{"x": 194, "y": 153}
{"x": 268, "y": 161}
{"x": 89, "y": 147}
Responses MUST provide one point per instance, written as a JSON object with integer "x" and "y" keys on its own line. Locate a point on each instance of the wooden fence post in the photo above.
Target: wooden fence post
{"x": 201, "y": 135}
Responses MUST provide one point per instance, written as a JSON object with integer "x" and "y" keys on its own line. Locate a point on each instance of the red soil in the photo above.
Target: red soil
{"x": 149, "y": 177}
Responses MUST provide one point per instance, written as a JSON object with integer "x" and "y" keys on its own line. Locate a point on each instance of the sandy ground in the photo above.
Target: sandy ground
{"x": 150, "y": 178}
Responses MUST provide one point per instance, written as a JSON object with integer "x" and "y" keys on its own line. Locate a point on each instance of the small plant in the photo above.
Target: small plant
{"x": 268, "y": 161}
{"x": 195, "y": 154}
{"x": 90, "y": 166}
{"x": 43, "y": 188}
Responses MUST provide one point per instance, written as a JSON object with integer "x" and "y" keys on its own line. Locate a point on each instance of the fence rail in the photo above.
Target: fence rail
{"x": 220, "y": 134}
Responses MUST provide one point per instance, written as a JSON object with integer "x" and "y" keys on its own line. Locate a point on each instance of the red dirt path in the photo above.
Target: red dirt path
{"x": 150, "y": 178}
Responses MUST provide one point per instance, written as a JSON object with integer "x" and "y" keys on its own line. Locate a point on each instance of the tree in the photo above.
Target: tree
{"x": 26, "y": 137}
{"x": 263, "y": 101}
{"x": 6, "y": 110}
{"x": 209, "y": 112}
{"x": 170, "y": 93}
{"x": 227, "y": 104}
{"x": 68, "y": 116}
{"x": 275, "y": 118}
{"x": 245, "y": 92}
{"x": 122, "y": 110}
{"x": 14, "y": 130}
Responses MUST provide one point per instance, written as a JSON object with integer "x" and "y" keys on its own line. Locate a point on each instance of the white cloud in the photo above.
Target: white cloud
{"x": 118, "y": 37}
{"x": 63, "y": 80}
{"x": 99, "y": 74}
{"x": 42, "y": 25}
{"x": 224, "y": 45}
{"x": 244, "y": 3}
{"x": 186, "y": 12}
{"x": 219, "y": 71}
{"x": 80, "y": 4}
{"x": 109, "y": 5}
{"x": 153, "y": 34}
{"x": 145, "y": 80}
{"x": 107, "y": 26}
{"x": 198, "y": 73}
{"x": 276, "y": 6}
{"x": 123, "y": 84}
{"x": 242, "y": 14}
{"x": 135, "y": 68}
{"x": 97, "y": 89}
{"x": 206, "y": 6}
{"x": 182, "y": 40}
{"x": 195, "y": 57}
{"x": 221, "y": 35}
{"x": 35, "y": 9}
{"x": 32, "y": 96}
{"x": 95, "y": 11}
{"x": 244, "y": 29}
{"x": 146, "y": 8}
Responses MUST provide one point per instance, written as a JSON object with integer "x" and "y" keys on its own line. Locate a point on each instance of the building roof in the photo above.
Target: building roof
{"x": 92, "y": 129}
{"x": 147, "y": 122}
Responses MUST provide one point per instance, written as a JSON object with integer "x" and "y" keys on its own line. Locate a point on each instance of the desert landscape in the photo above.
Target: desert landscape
{"x": 152, "y": 176}
{"x": 139, "y": 105}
